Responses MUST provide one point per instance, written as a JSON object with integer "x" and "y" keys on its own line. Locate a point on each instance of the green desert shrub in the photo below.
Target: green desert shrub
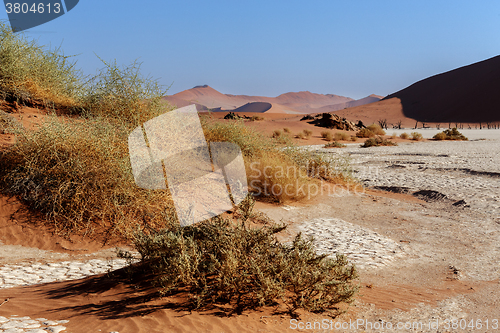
{"x": 416, "y": 136}
{"x": 218, "y": 262}
{"x": 30, "y": 72}
{"x": 377, "y": 141}
{"x": 450, "y": 134}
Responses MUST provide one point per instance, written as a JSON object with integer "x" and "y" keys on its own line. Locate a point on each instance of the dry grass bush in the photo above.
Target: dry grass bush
{"x": 354, "y": 138}
{"x": 256, "y": 118}
{"x": 365, "y": 133}
{"x": 404, "y": 136}
{"x": 341, "y": 136}
{"x": 78, "y": 174}
{"x": 217, "y": 262}
{"x": 375, "y": 128}
{"x": 450, "y": 134}
{"x": 277, "y": 134}
{"x": 122, "y": 94}
{"x": 322, "y": 166}
{"x": 394, "y": 136}
{"x": 269, "y": 168}
{"x": 8, "y": 124}
{"x": 327, "y": 135}
{"x": 307, "y": 133}
{"x": 378, "y": 141}
{"x": 334, "y": 144}
{"x": 29, "y": 71}
{"x": 286, "y": 130}
{"x": 416, "y": 136}
{"x": 300, "y": 135}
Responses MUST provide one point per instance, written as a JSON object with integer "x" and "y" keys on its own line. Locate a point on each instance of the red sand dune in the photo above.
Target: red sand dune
{"x": 466, "y": 94}
{"x": 293, "y": 102}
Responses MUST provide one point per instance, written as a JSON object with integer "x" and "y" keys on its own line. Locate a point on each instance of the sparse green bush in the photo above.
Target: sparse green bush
{"x": 450, "y": 134}
{"x": 440, "y": 136}
{"x": 416, "y": 136}
{"x": 404, "y": 136}
{"x": 217, "y": 262}
{"x": 377, "y": 141}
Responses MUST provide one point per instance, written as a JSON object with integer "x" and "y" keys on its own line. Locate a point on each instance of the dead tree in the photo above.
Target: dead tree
{"x": 382, "y": 123}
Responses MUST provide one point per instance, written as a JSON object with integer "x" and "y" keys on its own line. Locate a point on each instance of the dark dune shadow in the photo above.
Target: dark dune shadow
{"x": 467, "y": 94}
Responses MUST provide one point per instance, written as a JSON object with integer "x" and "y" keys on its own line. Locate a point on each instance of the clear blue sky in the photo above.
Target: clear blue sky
{"x": 352, "y": 47}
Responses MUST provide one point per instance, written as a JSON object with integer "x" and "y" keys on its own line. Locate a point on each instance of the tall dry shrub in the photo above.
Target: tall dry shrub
{"x": 29, "y": 71}
{"x": 78, "y": 174}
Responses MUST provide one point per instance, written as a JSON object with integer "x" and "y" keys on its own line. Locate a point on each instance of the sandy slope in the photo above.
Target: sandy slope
{"x": 465, "y": 94}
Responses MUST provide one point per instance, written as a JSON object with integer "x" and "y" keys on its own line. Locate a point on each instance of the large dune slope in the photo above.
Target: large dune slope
{"x": 466, "y": 94}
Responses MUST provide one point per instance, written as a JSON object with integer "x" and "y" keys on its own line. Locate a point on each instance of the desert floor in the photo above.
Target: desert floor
{"x": 422, "y": 262}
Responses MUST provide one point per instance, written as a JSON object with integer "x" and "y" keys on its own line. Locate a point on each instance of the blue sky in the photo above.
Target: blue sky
{"x": 352, "y": 48}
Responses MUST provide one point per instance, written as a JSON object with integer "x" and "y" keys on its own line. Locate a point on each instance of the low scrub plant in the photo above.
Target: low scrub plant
{"x": 334, "y": 144}
{"x": 218, "y": 262}
{"x": 404, "y": 136}
{"x": 341, "y": 136}
{"x": 375, "y": 128}
{"x": 365, "y": 133}
{"x": 377, "y": 141}
{"x": 286, "y": 130}
{"x": 307, "y": 133}
{"x": 277, "y": 134}
{"x": 416, "y": 136}
{"x": 450, "y": 134}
